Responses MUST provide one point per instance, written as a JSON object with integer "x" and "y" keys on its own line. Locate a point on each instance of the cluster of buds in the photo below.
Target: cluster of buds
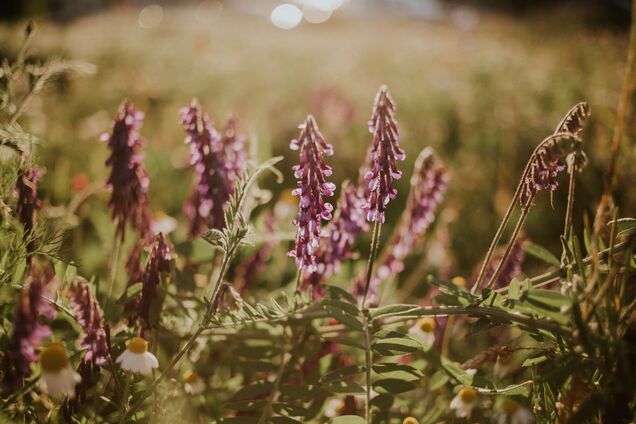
{"x": 384, "y": 153}
{"x": 218, "y": 160}
{"x": 311, "y": 173}
{"x": 28, "y": 330}
{"x": 341, "y": 232}
{"x": 428, "y": 186}
{"x": 128, "y": 179}
{"x": 86, "y": 310}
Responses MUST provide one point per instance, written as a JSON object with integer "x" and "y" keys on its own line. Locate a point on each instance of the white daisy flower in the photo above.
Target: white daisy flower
{"x": 464, "y": 402}
{"x": 333, "y": 407}
{"x": 58, "y": 379}
{"x": 512, "y": 412}
{"x": 410, "y": 420}
{"x": 423, "y": 331}
{"x": 193, "y": 383}
{"x": 162, "y": 223}
{"x": 459, "y": 282}
{"x": 136, "y": 357}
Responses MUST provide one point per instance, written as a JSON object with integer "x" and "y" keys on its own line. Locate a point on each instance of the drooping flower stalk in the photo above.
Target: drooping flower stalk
{"x": 87, "y": 313}
{"x": 28, "y": 330}
{"x": 312, "y": 173}
{"x": 128, "y": 179}
{"x": 384, "y": 154}
{"x": 218, "y": 160}
{"x": 28, "y": 202}
{"x": 547, "y": 160}
{"x": 157, "y": 269}
{"x": 342, "y": 230}
{"x": 428, "y": 186}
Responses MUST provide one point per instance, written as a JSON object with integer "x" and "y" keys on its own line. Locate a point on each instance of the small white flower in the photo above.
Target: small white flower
{"x": 58, "y": 379}
{"x": 512, "y": 412}
{"x": 162, "y": 223}
{"x": 464, "y": 402}
{"x": 193, "y": 383}
{"x": 332, "y": 407}
{"x": 424, "y": 331}
{"x": 471, "y": 371}
{"x": 136, "y": 357}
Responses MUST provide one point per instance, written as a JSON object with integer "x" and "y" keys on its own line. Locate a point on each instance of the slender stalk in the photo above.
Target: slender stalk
{"x": 569, "y": 210}
{"x": 626, "y": 93}
{"x": 513, "y": 239}
{"x": 113, "y": 270}
{"x": 377, "y": 227}
{"x": 367, "y": 364}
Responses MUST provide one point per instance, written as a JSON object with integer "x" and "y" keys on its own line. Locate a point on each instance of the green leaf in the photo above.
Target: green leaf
{"x": 341, "y": 373}
{"x": 541, "y": 253}
{"x": 344, "y": 318}
{"x": 438, "y": 380}
{"x": 345, "y": 341}
{"x": 348, "y": 419}
{"x": 393, "y": 385}
{"x": 283, "y": 420}
{"x": 396, "y": 346}
{"x": 514, "y": 289}
{"x": 345, "y": 307}
{"x": 252, "y": 390}
{"x": 534, "y": 361}
{"x": 392, "y": 310}
{"x": 399, "y": 371}
{"x": 339, "y": 293}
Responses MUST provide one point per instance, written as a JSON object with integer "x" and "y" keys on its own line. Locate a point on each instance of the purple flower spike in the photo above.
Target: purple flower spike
{"x": 158, "y": 263}
{"x": 348, "y": 222}
{"x": 384, "y": 153}
{"x": 128, "y": 179}
{"x": 311, "y": 173}
{"x": 218, "y": 160}
{"x": 428, "y": 186}
{"x": 86, "y": 310}
{"x": 28, "y": 330}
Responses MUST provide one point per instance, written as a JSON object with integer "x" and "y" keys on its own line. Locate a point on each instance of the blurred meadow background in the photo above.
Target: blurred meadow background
{"x": 481, "y": 84}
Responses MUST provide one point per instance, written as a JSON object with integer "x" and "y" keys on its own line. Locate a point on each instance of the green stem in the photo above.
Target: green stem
{"x": 123, "y": 412}
{"x": 375, "y": 241}
{"x": 513, "y": 239}
{"x": 113, "y": 270}
{"x": 367, "y": 365}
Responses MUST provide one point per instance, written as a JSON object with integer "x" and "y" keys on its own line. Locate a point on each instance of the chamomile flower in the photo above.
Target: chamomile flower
{"x": 58, "y": 379}
{"x": 464, "y": 402}
{"x": 136, "y": 357}
{"x": 512, "y": 412}
{"x": 424, "y": 331}
{"x": 459, "y": 282}
{"x": 193, "y": 383}
{"x": 410, "y": 420}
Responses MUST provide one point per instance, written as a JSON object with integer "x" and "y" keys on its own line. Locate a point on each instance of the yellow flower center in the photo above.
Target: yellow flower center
{"x": 510, "y": 406}
{"x": 410, "y": 420}
{"x": 138, "y": 345}
{"x": 54, "y": 358}
{"x": 459, "y": 282}
{"x": 426, "y": 324}
{"x": 190, "y": 377}
{"x": 468, "y": 395}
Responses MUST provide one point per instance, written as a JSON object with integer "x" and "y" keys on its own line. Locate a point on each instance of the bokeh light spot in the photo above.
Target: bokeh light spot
{"x": 150, "y": 16}
{"x": 286, "y": 16}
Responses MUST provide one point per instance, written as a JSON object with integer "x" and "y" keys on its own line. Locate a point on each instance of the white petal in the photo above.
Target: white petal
{"x": 152, "y": 359}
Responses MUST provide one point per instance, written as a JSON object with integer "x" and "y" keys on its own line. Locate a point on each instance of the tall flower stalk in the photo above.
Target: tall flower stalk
{"x": 157, "y": 268}
{"x": 382, "y": 170}
{"x": 311, "y": 173}
{"x": 428, "y": 186}
{"x": 218, "y": 160}
{"x": 128, "y": 178}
